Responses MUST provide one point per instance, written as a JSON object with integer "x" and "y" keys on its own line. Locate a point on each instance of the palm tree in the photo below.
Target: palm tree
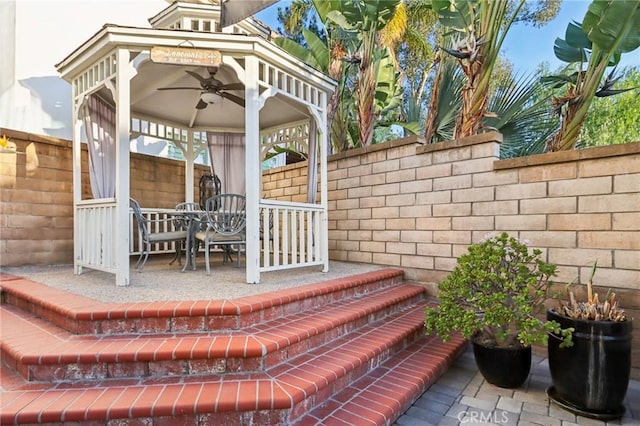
{"x": 324, "y": 54}
{"x": 350, "y": 54}
{"x": 480, "y": 28}
{"x": 445, "y": 102}
{"x": 362, "y": 21}
{"x": 522, "y": 115}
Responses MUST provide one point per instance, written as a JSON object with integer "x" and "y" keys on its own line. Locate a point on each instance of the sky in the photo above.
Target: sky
{"x": 524, "y": 46}
{"x": 45, "y": 32}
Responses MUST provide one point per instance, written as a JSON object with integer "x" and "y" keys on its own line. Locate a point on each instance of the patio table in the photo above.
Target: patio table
{"x": 191, "y": 220}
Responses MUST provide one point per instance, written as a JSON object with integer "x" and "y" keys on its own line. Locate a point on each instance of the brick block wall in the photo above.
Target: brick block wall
{"x": 36, "y": 196}
{"x": 419, "y": 207}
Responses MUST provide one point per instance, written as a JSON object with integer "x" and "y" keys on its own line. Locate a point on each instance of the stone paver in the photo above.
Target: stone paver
{"x": 509, "y": 404}
{"x": 433, "y": 406}
{"x": 461, "y": 397}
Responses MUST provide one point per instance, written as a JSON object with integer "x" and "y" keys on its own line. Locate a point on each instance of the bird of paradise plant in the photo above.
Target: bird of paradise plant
{"x": 609, "y": 28}
{"x": 477, "y": 29}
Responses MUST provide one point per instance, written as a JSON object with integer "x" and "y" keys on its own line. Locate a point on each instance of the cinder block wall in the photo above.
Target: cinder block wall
{"x": 419, "y": 207}
{"x": 36, "y": 196}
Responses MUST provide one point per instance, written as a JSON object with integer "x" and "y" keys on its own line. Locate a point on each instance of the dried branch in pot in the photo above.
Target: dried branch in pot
{"x": 592, "y": 309}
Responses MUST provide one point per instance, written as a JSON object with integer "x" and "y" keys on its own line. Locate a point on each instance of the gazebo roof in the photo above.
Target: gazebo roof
{"x": 178, "y": 106}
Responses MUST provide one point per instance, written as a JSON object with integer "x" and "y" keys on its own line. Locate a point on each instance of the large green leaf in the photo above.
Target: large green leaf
{"x": 559, "y": 80}
{"x": 613, "y": 25}
{"x": 567, "y": 53}
{"x": 340, "y": 20}
{"x": 298, "y": 51}
{"x": 576, "y": 37}
{"x": 454, "y": 14}
{"x": 362, "y": 15}
{"x": 522, "y": 115}
{"x": 413, "y": 127}
{"x": 318, "y": 49}
{"x": 323, "y": 7}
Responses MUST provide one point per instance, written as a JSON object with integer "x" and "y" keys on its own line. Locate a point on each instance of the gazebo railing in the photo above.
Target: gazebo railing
{"x": 94, "y": 236}
{"x": 291, "y": 235}
{"x": 156, "y": 222}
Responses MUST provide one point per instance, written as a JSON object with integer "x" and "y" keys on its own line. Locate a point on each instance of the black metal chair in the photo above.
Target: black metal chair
{"x": 149, "y": 236}
{"x": 210, "y": 186}
{"x": 225, "y": 217}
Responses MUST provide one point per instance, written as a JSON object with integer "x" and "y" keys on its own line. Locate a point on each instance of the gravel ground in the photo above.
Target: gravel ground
{"x": 161, "y": 281}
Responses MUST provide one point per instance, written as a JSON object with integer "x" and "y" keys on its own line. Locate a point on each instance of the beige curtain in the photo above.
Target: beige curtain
{"x": 227, "y": 153}
{"x": 100, "y": 125}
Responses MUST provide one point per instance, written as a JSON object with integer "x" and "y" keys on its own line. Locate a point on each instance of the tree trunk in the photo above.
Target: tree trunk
{"x": 432, "y": 112}
{"x": 366, "y": 89}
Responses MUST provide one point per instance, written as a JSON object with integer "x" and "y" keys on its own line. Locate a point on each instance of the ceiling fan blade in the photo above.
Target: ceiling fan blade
{"x": 197, "y": 76}
{"x": 233, "y": 98}
{"x": 179, "y": 88}
{"x": 232, "y": 86}
{"x": 201, "y": 104}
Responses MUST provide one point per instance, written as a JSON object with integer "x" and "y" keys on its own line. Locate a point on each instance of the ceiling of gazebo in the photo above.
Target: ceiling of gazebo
{"x": 179, "y": 106}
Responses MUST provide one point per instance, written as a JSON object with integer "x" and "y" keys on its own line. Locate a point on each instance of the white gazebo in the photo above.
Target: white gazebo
{"x": 269, "y": 96}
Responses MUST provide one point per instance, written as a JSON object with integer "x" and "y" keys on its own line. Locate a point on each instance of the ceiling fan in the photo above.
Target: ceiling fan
{"x": 211, "y": 85}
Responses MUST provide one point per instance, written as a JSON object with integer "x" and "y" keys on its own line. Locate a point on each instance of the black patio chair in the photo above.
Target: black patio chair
{"x": 225, "y": 218}
{"x": 149, "y": 236}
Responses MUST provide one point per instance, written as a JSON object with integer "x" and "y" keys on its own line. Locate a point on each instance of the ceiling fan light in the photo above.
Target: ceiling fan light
{"x": 210, "y": 98}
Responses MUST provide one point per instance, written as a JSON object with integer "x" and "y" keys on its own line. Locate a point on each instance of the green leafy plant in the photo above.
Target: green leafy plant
{"x": 493, "y": 295}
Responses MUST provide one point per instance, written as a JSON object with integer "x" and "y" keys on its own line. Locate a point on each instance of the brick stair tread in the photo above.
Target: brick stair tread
{"x": 382, "y": 395}
{"x": 34, "y": 341}
{"x": 78, "y": 307}
{"x": 279, "y": 388}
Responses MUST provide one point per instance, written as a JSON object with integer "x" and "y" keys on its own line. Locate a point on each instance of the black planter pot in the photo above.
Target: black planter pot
{"x": 591, "y": 377}
{"x": 503, "y": 367}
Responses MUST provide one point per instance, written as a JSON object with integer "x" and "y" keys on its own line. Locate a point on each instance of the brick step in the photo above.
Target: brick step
{"x": 283, "y": 395}
{"x": 381, "y": 396}
{"x": 80, "y": 315}
{"x": 41, "y": 351}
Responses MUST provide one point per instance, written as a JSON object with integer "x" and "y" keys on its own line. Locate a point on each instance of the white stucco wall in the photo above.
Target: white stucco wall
{"x": 37, "y": 34}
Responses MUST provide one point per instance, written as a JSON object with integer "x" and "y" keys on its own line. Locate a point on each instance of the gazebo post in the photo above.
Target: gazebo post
{"x": 324, "y": 193}
{"x": 253, "y": 169}
{"x": 77, "y": 182}
{"x": 121, "y": 232}
{"x": 190, "y": 154}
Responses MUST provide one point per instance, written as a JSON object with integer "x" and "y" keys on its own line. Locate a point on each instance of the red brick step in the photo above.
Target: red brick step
{"x": 43, "y": 352}
{"x": 80, "y": 315}
{"x": 310, "y": 358}
{"x": 275, "y": 397}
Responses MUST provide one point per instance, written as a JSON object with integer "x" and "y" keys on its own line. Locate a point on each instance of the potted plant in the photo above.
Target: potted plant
{"x": 492, "y": 297}
{"x": 590, "y": 376}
